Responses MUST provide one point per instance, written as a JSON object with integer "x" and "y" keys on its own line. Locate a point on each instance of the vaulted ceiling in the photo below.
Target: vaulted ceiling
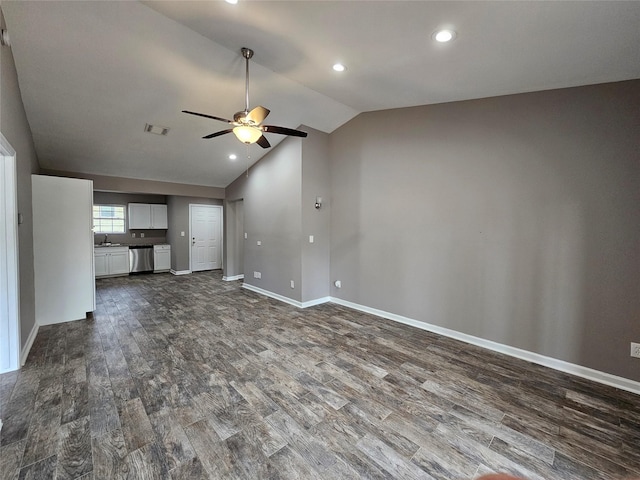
{"x": 92, "y": 74}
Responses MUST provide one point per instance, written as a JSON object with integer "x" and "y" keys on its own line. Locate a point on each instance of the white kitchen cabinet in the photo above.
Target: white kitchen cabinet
{"x": 139, "y": 216}
{"x": 161, "y": 258}
{"x": 111, "y": 261}
{"x": 159, "y": 216}
{"x": 145, "y": 216}
{"x": 100, "y": 259}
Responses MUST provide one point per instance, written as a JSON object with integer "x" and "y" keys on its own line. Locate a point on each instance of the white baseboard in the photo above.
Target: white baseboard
{"x": 180, "y": 272}
{"x": 27, "y": 347}
{"x": 233, "y": 278}
{"x": 317, "y": 301}
{"x": 284, "y": 299}
{"x": 571, "y": 368}
{"x": 277, "y": 296}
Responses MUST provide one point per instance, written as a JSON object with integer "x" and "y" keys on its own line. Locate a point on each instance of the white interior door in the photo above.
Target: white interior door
{"x": 9, "y": 288}
{"x": 205, "y": 225}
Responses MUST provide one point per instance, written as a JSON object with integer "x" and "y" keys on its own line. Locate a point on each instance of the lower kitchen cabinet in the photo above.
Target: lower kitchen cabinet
{"x": 161, "y": 258}
{"x": 111, "y": 261}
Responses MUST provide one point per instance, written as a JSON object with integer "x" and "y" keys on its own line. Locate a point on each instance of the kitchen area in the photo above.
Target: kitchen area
{"x": 81, "y": 234}
{"x": 130, "y": 234}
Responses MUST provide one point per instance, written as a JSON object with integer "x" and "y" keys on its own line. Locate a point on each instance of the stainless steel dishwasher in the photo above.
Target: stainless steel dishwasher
{"x": 140, "y": 258}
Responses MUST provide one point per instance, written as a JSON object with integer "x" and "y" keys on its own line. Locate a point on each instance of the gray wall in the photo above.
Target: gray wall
{"x": 178, "y": 216}
{"x": 15, "y": 128}
{"x": 272, "y": 215}
{"x": 278, "y": 209}
{"x": 113, "y": 198}
{"x": 316, "y": 182}
{"x": 136, "y": 185}
{"x": 514, "y": 219}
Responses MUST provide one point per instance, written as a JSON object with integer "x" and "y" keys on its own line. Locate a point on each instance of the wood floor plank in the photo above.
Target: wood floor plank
{"x": 75, "y": 401}
{"x": 388, "y": 459}
{"x": 193, "y": 377}
{"x": 43, "y": 437}
{"x": 74, "y": 451}
{"x": 291, "y": 464}
{"x": 210, "y": 449}
{"x": 192, "y": 469}
{"x": 108, "y": 453}
{"x": 17, "y": 413}
{"x": 315, "y": 452}
{"x": 41, "y": 470}
{"x": 145, "y": 463}
{"x": 103, "y": 412}
{"x": 135, "y": 425}
{"x": 11, "y": 459}
{"x": 171, "y": 438}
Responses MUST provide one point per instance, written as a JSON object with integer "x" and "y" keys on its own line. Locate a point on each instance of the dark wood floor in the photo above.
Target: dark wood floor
{"x": 190, "y": 377}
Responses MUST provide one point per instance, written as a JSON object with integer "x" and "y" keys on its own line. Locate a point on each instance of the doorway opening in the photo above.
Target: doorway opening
{"x": 234, "y": 241}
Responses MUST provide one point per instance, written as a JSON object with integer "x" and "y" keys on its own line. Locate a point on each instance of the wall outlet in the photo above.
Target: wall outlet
{"x": 245, "y": 235}
{"x": 142, "y": 235}
{"x": 310, "y": 238}
{"x": 258, "y": 243}
{"x": 133, "y": 235}
{"x": 257, "y": 275}
{"x": 338, "y": 284}
{"x": 182, "y": 234}
{"x": 635, "y": 350}
{"x": 293, "y": 285}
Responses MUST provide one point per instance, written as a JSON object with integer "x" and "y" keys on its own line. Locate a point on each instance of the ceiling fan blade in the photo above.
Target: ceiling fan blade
{"x": 283, "y": 131}
{"x": 263, "y": 142}
{"x": 217, "y": 134}
{"x": 208, "y": 116}
{"x": 258, "y": 114}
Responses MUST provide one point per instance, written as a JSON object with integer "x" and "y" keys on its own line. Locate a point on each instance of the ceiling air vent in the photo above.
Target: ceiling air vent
{"x": 157, "y": 129}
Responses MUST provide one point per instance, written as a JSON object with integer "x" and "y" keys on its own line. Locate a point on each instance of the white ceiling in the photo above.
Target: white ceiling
{"x": 93, "y": 73}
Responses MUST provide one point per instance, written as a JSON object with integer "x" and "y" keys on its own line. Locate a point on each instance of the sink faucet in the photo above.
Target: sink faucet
{"x": 105, "y": 238}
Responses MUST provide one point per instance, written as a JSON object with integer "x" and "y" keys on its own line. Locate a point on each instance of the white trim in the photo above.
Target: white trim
{"x": 284, "y": 299}
{"x": 9, "y": 260}
{"x": 571, "y": 368}
{"x": 27, "y": 347}
{"x": 180, "y": 272}
{"x": 317, "y": 301}
{"x": 267, "y": 293}
{"x": 233, "y": 278}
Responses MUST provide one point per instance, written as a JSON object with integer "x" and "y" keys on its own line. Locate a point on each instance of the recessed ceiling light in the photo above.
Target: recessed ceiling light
{"x": 232, "y": 2}
{"x": 232, "y": 156}
{"x": 338, "y": 67}
{"x": 444, "y": 36}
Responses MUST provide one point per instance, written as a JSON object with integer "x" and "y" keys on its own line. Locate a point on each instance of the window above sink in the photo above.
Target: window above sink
{"x": 109, "y": 219}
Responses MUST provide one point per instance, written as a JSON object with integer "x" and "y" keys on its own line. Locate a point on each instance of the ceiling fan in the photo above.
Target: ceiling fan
{"x": 247, "y": 125}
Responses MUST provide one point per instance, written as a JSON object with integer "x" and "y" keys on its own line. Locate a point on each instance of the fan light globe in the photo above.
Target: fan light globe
{"x": 247, "y": 134}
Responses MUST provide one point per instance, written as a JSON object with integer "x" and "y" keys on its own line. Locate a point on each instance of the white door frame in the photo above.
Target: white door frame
{"x": 221, "y": 233}
{"x": 9, "y": 281}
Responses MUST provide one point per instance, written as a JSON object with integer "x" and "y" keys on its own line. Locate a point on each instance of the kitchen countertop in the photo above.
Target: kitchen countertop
{"x": 127, "y": 245}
